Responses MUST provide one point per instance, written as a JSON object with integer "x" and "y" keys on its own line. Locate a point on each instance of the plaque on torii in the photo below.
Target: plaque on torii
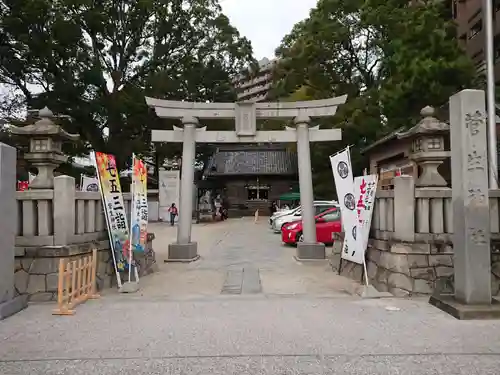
{"x": 245, "y": 115}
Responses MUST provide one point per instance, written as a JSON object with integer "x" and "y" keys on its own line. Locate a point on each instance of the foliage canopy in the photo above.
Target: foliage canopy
{"x": 392, "y": 60}
{"x": 96, "y": 60}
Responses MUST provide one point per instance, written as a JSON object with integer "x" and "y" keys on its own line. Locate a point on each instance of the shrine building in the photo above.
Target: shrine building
{"x": 250, "y": 177}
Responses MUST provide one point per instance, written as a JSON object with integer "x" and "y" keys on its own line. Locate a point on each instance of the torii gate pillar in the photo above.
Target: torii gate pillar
{"x": 245, "y": 116}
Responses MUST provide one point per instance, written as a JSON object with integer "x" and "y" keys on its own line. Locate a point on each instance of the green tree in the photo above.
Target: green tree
{"x": 390, "y": 58}
{"x": 96, "y": 60}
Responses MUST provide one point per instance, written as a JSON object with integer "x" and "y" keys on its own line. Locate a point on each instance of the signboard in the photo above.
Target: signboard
{"x": 89, "y": 184}
{"x": 344, "y": 183}
{"x": 114, "y": 209}
{"x": 169, "y": 190}
{"x": 365, "y": 188}
{"x": 139, "y": 206}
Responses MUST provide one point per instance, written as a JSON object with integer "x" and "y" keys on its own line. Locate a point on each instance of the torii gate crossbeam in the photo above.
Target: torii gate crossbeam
{"x": 245, "y": 115}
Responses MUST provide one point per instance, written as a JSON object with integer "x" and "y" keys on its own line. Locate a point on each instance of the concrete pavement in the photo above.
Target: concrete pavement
{"x": 300, "y": 321}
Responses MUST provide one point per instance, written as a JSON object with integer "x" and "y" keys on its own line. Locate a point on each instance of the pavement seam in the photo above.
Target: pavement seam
{"x": 228, "y": 356}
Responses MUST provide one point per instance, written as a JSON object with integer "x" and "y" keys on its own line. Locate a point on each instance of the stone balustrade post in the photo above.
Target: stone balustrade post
{"x": 9, "y": 304}
{"x": 64, "y": 209}
{"x": 404, "y": 208}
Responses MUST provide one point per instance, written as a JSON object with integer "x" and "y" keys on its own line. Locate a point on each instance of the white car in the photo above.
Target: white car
{"x": 319, "y": 207}
{"x": 291, "y": 211}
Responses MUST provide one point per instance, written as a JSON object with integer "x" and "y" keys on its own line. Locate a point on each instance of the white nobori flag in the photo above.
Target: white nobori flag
{"x": 344, "y": 183}
{"x": 365, "y": 188}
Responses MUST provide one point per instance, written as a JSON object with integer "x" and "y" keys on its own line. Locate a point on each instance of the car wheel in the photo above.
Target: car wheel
{"x": 300, "y": 237}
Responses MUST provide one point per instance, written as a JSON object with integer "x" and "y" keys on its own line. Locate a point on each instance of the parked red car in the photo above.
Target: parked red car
{"x": 327, "y": 223}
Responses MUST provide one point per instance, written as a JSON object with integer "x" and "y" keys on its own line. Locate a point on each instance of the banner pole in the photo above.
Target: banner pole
{"x": 365, "y": 269}
{"x": 111, "y": 244}
{"x": 344, "y": 149}
{"x": 132, "y": 207}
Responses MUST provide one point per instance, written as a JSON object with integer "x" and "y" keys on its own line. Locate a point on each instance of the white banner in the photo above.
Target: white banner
{"x": 169, "y": 190}
{"x": 89, "y": 184}
{"x": 365, "y": 188}
{"x": 344, "y": 183}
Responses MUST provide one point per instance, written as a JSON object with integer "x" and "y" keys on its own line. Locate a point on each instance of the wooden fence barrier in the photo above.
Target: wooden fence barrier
{"x": 76, "y": 284}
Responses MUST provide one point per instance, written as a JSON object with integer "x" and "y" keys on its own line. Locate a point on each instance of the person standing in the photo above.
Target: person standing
{"x": 273, "y": 208}
{"x": 218, "y": 207}
{"x": 173, "y": 213}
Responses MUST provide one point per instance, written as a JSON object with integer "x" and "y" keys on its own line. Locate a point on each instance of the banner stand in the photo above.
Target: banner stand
{"x": 129, "y": 286}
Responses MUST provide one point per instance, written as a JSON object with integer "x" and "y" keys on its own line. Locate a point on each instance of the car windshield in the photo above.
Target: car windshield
{"x": 327, "y": 212}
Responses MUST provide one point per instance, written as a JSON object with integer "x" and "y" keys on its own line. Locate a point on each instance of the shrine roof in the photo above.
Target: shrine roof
{"x": 249, "y": 160}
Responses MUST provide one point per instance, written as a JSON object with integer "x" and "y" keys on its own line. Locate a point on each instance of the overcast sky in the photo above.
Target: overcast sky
{"x": 266, "y": 22}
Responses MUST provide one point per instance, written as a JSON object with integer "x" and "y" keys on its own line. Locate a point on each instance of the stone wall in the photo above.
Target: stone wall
{"x": 36, "y": 269}
{"x": 405, "y": 269}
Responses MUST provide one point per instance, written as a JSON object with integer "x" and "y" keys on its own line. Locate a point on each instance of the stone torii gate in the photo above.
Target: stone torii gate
{"x": 245, "y": 115}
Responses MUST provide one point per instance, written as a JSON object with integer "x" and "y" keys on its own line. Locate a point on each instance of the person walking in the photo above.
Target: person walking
{"x": 173, "y": 213}
{"x": 224, "y": 209}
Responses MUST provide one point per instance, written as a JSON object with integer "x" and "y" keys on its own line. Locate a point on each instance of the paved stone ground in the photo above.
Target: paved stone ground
{"x": 238, "y": 256}
{"x": 245, "y": 308}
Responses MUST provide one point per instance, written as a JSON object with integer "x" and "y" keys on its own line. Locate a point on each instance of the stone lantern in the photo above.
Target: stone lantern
{"x": 428, "y": 147}
{"x": 45, "y": 147}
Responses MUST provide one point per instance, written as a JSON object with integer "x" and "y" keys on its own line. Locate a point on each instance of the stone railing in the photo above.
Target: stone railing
{"x": 62, "y": 223}
{"x": 410, "y": 250}
{"x": 35, "y": 224}
{"x": 63, "y": 216}
{"x": 432, "y": 221}
{"x": 383, "y": 214}
{"x": 53, "y": 221}
{"x": 90, "y": 222}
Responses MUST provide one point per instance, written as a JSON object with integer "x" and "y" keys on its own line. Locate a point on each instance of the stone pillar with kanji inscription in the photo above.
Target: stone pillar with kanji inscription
{"x": 471, "y": 216}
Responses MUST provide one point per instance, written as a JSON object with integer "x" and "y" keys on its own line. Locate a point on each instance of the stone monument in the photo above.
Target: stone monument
{"x": 471, "y": 215}
{"x": 245, "y": 115}
{"x": 9, "y": 304}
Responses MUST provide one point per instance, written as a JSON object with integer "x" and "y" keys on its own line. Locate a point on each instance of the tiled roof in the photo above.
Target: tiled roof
{"x": 252, "y": 162}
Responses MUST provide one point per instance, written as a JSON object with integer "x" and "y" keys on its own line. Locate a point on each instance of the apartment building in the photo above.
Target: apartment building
{"x": 256, "y": 87}
{"x": 468, "y": 14}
